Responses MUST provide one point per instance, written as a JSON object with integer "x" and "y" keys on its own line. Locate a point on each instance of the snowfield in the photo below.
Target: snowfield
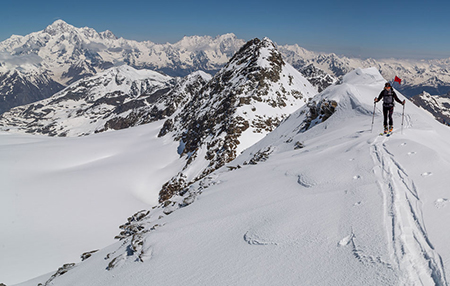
{"x": 335, "y": 204}
{"x": 61, "y": 197}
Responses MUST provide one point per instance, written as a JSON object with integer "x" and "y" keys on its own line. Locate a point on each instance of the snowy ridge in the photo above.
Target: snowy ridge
{"x": 334, "y": 202}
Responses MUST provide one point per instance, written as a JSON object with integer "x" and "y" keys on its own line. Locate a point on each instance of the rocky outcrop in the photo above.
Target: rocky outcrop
{"x": 318, "y": 77}
{"x": 61, "y": 271}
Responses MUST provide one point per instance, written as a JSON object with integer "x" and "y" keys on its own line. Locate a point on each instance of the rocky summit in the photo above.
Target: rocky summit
{"x": 244, "y": 101}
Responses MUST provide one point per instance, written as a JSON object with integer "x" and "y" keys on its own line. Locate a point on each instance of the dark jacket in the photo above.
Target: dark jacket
{"x": 388, "y": 97}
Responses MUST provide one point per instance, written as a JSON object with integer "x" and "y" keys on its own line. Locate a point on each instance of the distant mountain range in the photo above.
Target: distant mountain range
{"x": 37, "y": 65}
{"x": 437, "y": 105}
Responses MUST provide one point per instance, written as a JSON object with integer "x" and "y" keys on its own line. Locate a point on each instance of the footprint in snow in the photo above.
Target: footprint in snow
{"x": 426, "y": 174}
{"x": 254, "y": 239}
{"x": 440, "y": 203}
{"x": 305, "y": 181}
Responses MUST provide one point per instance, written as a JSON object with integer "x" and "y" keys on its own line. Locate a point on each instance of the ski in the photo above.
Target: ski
{"x": 387, "y": 133}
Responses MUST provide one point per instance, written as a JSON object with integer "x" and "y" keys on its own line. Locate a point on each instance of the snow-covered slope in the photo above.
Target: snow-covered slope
{"x": 61, "y": 197}
{"x": 316, "y": 202}
{"x": 437, "y": 105}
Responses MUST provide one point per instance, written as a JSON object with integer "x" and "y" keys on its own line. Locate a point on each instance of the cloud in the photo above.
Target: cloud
{"x": 95, "y": 47}
{"x": 12, "y": 61}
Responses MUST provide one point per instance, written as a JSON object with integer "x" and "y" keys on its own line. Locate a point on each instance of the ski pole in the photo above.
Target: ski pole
{"x": 373, "y": 115}
{"x": 403, "y": 115}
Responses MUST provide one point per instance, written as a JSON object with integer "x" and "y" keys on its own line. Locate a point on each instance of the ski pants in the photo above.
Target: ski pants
{"x": 387, "y": 112}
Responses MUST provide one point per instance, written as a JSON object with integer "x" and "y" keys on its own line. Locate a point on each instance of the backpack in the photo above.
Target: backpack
{"x": 388, "y": 98}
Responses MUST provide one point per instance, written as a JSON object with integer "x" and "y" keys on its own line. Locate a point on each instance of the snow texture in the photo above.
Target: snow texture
{"x": 331, "y": 203}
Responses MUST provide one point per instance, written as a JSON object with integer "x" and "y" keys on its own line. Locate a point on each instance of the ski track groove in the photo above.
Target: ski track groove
{"x": 416, "y": 259}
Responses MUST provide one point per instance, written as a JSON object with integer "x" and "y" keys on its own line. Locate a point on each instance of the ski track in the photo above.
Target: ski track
{"x": 411, "y": 250}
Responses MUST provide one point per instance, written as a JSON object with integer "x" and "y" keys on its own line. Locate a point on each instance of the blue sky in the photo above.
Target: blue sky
{"x": 377, "y": 29}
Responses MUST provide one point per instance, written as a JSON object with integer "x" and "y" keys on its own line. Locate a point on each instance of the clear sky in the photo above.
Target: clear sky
{"x": 377, "y": 29}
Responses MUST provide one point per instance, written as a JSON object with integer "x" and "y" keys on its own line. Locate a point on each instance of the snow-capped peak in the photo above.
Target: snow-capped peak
{"x": 58, "y": 27}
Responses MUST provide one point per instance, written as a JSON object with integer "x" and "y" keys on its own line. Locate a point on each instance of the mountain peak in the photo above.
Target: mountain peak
{"x": 59, "y": 26}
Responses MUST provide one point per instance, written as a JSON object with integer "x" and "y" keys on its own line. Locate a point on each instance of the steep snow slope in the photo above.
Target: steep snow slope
{"x": 61, "y": 197}
{"x": 314, "y": 203}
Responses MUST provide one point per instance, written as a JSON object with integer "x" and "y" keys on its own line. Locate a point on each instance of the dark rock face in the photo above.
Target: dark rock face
{"x": 17, "y": 89}
{"x": 318, "y": 77}
{"x": 318, "y": 113}
{"x": 87, "y": 255}
{"x": 438, "y": 106}
{"x": 61, "y": 271}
